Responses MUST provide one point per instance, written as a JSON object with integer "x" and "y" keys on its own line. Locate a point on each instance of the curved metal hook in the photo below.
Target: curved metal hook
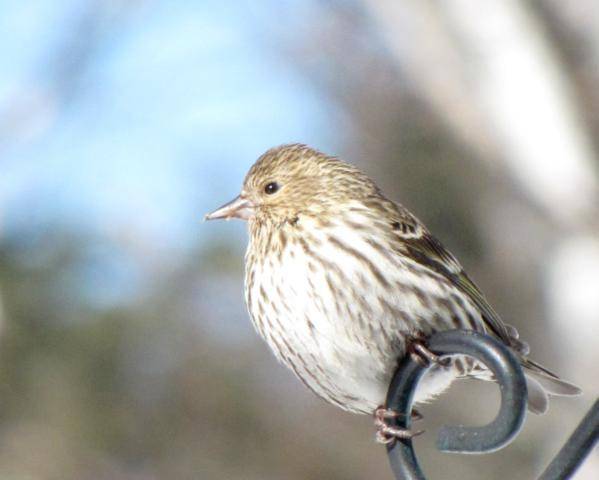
{"x": 506, "y": 425}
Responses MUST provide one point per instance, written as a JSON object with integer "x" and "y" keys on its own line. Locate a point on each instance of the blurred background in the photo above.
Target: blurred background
{"x": 125, "y": 348}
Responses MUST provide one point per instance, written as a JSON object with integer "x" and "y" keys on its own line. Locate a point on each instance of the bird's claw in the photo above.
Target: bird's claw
{"x": 387, "y": 434}
{"x": 424, "y": 357}
{"x": 416, "y": 415}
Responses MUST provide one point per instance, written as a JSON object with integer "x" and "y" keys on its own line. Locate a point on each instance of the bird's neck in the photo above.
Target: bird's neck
{"x": 270, "y": 235}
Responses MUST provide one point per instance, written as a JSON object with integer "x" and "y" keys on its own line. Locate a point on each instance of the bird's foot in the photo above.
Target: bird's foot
{"x": 416, "y": 415}
{"x": 423, "y": 356}
{"x": 386, "y": 433}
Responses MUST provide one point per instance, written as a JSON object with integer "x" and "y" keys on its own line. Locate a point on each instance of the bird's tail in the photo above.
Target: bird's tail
{"x": 541, "y": 383}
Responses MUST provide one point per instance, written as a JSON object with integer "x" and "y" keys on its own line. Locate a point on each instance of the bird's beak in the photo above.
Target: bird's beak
{"x": 239, "y": 207}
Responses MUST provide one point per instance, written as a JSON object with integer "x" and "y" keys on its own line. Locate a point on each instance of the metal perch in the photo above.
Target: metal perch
{"x": 497, "y": 434}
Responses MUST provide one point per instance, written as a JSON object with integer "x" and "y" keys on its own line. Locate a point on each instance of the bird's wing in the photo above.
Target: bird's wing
{"x": 425, "y": 249}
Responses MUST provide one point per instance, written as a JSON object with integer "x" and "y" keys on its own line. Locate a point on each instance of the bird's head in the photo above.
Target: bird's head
{"x": 295, "y": 179}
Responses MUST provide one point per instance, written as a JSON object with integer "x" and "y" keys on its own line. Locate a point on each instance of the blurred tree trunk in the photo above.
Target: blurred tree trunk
{"x": 492, "y": 74}
{"x": 489, "y": 62}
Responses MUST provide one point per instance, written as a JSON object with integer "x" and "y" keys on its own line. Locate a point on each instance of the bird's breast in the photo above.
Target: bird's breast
{"x": 330, "y": 296}
{"x": 337, "y": 303}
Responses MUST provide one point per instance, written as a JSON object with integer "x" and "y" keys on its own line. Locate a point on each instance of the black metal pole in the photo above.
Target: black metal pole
{"x": 399, "y": 398}
{"x": 491, "y": 437}
{"x": 576, "y": 448}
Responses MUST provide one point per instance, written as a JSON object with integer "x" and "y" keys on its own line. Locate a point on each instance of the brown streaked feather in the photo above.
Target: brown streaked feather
{"x": 429, "y": 252}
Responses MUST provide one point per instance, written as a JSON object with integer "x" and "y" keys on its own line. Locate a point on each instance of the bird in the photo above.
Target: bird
{"x": 342, "y": 283}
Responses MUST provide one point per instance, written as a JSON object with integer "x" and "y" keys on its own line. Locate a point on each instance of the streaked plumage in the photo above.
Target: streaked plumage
{"x": 339, "y": 279}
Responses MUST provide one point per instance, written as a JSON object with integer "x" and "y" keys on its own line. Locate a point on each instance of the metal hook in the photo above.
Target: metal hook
{"x": 502, "y": 430}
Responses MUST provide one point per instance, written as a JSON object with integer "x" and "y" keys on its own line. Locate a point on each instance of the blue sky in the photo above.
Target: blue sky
{"x": 173, "y": 102}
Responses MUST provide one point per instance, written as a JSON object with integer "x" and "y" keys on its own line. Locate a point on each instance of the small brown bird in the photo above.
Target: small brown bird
{"x": 340, "y": 282}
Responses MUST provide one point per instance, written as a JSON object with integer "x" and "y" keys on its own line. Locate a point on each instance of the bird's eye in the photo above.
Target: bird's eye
{"x": 271, "y": 188}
